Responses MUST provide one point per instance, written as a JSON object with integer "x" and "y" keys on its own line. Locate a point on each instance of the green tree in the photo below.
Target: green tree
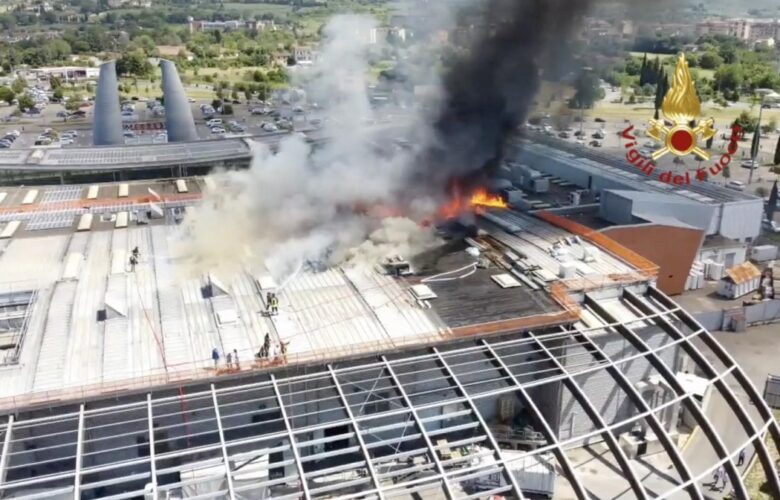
{"x": 55, "y": 82}
{"x": 234, "y": 95}
{"x": 25, "y": 102}
{"x": 248, "y": 93}
{"x": 135, "y": 64}
{"x": 19, "y": 85}
{"x": 57, "y": 94}
{"x": 710, "y": 60}
{"x": 262, "y": 92}
{"x": 728, "y": 79}
{"x": 643, "y": 71}
{"x": 587, "y": 92}
{"x": 747, "y": 122}
{"x": 227, "y": 109}
{"x": 7, "y": 95}
{"x": 74, "y": 102}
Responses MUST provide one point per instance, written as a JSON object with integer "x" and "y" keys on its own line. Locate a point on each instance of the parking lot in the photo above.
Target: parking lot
{"x": 144, "y": 126}
{"x": 581, "y": 130}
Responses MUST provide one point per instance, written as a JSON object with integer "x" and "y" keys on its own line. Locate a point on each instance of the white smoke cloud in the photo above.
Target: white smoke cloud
{"x": 300, "y": 205}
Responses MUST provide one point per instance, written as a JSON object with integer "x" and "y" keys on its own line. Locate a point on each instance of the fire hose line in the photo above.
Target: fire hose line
{"x": 151, "y": 327}
{"x": 472, "y": 268}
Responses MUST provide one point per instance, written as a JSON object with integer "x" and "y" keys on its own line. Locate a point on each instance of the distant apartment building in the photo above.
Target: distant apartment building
{"x": 748, "y": 30}
{"x": 115, "y": 4}
{"x": 603, "y": 31}
{"x": 232, "y": 25}
{"x": 305, "y": 54}
{"x": 66, "y": 73}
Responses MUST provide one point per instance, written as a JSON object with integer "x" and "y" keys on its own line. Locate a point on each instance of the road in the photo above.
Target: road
{"x": 756, "y": 351}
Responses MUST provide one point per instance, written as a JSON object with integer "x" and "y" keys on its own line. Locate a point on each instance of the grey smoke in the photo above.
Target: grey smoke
{"x": 299, "y": 205}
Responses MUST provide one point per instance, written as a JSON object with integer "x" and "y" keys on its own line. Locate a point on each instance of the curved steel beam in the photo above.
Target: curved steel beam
{"x": 670, "y": 378}
{"x": 595, "y": 418}
{"x": 421, "y": 426}
{"x": 565, "y": 463}
{"x": 767, "y": 462}
{"x": 510, "y": 478}
{"x": 652, "y": 420}
{"x": 358, "y": 434}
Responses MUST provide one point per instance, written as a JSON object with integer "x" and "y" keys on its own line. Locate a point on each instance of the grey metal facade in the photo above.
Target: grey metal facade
{"x": 178, "y": 115}
{"x": 107, "y": 122}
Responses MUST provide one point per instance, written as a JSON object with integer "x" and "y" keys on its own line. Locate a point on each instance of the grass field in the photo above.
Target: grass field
{"x": 645, "y": 111}
{"x": 756, "y": 476}
{"x": 669, "y": 61}
{"x": 230, "y": 74}
{"x": 651, "y": 56}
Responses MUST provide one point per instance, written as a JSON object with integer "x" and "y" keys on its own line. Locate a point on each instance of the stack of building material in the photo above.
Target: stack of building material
{"x": 713, "y": 270}
{"x": 695, "y": 279}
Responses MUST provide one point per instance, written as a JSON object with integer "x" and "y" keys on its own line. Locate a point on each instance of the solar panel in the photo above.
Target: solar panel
{"x": 64, "y": 193}
{"x": 54, "y": 220}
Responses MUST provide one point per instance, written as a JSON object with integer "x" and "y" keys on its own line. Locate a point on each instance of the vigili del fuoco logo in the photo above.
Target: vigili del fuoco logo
{"x": 681, "y": 132}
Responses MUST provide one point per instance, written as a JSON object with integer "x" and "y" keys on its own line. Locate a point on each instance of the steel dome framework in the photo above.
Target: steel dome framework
{"x": 390, "y": 433}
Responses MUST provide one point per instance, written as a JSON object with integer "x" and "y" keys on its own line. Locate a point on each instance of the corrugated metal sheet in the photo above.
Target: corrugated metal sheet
{"x": 72, "y": 266}
{"x": 743, "y": 273}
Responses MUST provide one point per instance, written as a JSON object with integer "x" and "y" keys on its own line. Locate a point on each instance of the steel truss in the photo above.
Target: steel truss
{"x": 387, "y": 412}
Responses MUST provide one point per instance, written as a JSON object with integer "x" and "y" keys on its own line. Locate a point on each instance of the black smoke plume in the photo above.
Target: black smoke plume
{"x": 490, "y": 88}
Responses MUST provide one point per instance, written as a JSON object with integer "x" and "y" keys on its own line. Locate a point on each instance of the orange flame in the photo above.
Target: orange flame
{"x": 481, "y": 198}
{"x": 478, "y": 201}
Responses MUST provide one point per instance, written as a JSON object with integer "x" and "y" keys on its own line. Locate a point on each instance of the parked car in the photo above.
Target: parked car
{"x": 5, "y": 143}
{"x": 736, "y": 185}
{"x": 563, "y": 135}
{"x": 595, "y": 143}
{"x": 749, "y": 164}
{"x": 218, "y": 131}
{"x": 600, "y": 120}
{"x": 771, "y": 226}
{"x": 214, "y": 121}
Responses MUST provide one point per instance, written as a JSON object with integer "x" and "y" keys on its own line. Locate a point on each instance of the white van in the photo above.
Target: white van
{"x": 214, "y": 122}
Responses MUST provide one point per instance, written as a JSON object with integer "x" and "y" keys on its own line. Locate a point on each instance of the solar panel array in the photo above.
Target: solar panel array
{"x": 191, "y": 151}
{"x": 61, "y": 193}
{"x": 51, "y": 220}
